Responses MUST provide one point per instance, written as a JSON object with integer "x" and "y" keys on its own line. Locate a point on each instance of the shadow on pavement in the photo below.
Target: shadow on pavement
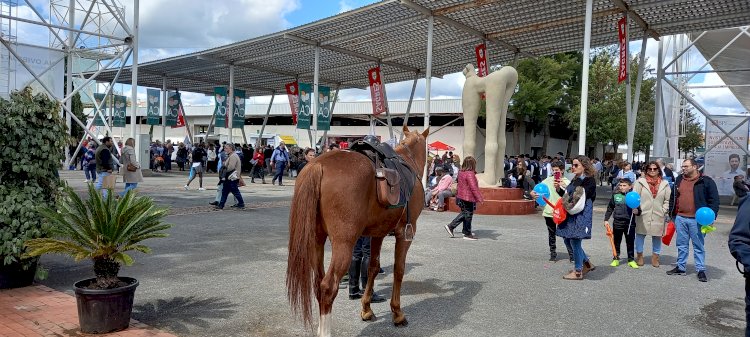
{"x": 721, "y": 318}
{"x": 178, "y": 313}
{"x": 456, "y": 295}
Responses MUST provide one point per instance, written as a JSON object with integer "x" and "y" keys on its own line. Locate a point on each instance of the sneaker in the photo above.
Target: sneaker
{"x": 632, "y": 264}
{"x": 449, "y": 230}
{"x": 218, "y": 207}
{"x": 214, "y": 203}
{"x": 185, "y": 187}
{"x": 702, "y": 276}
{"x": 676, "y": 271}
{"x": 615, "y": 263}
{"x": 201, "y": 189}
{"x": 552, "y": 257}
{"x": 238, "y": 206}
{"x": 471, "y": 237}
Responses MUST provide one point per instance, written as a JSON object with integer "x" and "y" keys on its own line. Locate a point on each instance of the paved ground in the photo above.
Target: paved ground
{"x": 222, "y": 274}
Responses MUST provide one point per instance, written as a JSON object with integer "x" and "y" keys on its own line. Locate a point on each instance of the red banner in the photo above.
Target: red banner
{"x": 622, "y": 27}
{"x": 180, "y": 118}
{"x": 483, "y": 67}
{"x": 377, "y": 91}
{"x": 291, "y": 93}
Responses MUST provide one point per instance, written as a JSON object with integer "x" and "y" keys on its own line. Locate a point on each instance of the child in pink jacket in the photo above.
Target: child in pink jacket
{"x": 466, "y": 197}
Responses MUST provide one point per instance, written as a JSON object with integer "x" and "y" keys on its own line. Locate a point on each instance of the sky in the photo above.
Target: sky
{"x": 193, "y": 25}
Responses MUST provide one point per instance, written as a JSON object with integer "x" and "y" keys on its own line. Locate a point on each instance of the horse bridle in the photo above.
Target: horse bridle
{"x": 412, "y": 162}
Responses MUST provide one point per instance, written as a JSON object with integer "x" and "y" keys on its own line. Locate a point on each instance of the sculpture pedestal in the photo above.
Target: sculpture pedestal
{"x": 499, "y": 201}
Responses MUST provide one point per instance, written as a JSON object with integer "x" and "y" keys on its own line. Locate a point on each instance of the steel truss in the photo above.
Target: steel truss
{"x": 666, "y": 122}
{"x": 118, "y": 46}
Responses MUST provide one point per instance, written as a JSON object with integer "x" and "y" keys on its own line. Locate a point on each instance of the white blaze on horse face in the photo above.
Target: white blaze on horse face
{"x": 324, "y": 329}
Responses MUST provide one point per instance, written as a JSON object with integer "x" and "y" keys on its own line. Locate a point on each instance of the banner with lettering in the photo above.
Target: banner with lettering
{"x": 324, "y": 108}
{"x": 220, "y": 110}
{"x": 238, "y": 112}
{"x": 483, "y": 68}
{"x": 153, "y": 106}
{"x": 98, "y": 99}
{"x": 622, "y": 27}
{"x": 119, "y": 111}
{"x": 180, "y": 117}
{"x": 291, "y": 93}
{"x": 304, "y": 99}
{"x": 377, "y": 92}
{"x": 173, "y": 107}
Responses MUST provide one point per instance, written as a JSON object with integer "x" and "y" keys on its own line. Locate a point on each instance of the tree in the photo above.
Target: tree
{"x": 693, "y": 137}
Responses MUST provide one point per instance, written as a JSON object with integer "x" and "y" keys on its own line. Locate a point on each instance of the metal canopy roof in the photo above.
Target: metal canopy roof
{"x": 731, "y": 63}
{"x": 394, "y": 33}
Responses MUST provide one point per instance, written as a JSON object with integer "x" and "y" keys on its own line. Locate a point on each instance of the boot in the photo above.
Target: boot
{"x": 574, "y": 275}
{"x": 354, "y": 269}
{"x": 364, "y": 276}
{"x": 655, "y": 260}
{"x": 639, "y": 259}
{"x": 587, "y": 267}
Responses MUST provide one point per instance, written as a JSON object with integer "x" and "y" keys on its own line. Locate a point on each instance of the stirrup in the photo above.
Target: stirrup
{"x": 409, "y": 232}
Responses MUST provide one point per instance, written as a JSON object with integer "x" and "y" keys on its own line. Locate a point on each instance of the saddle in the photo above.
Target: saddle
{"x": 395, "y": 178}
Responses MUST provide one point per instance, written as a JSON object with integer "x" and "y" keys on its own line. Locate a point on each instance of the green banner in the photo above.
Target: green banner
{"x": 173, "y": 105}
{"x": 220, "y": 110}
{"x": 324, "y": 108}
{"x": 98, "y": 98}
{"x": 153, "y": 104}
{"x": 304, "y": 118}
{"x": 120, "y": 111}
{"x": 238, "y": 110}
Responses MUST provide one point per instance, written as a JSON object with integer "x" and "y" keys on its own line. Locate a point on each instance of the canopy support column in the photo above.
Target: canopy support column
{"x": 632, "y": 117}
{"x": 660, "y": 131}
{"x": 134, "y": 85}
{"x": 333, "y": 106}
{"x": 230, "y": 100}
{"x": 265, "y": 120}
{"x": 427, "y": 87}
{"x": 585, "y": 79}
{"x": 163, "y": 109}
{"x": 411, "y": 99}
{"x": 69, "y": 73}
{"x": 314, "y": 102}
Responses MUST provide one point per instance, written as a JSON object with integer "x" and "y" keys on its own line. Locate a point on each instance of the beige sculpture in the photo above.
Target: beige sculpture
{"x": 497, "y": 87}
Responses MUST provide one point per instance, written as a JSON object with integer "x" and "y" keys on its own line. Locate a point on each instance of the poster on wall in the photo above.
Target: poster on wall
{"x": 153, "y": 103}
{"x": 291, "y": 93}
{"x": 46, "y": 63}
{"x": 725, "y": 159}
{"x": 220, "y": 109}
{"x": 304, "y": 118}
{"x": 238, "y": 110}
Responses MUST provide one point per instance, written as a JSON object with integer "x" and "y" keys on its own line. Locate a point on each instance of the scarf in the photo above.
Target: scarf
{"x": 653, "y": 184}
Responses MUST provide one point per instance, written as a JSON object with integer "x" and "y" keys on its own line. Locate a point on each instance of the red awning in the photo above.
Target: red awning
{"x": 440, "y": 146}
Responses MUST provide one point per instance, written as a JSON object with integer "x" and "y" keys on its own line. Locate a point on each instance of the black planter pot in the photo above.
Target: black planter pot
{"x": 102, "y": 311}
{"x": 13, "y": 275}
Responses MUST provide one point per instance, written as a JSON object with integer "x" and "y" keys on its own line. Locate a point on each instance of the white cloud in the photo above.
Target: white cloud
{"x": 344, "y": 6}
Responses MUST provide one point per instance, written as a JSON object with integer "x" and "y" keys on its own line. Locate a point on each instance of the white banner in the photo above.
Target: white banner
{"x": 38, "y": 59}
{"x": 725, "y": 160}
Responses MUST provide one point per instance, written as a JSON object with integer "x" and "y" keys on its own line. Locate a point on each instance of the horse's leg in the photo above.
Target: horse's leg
{"x": 341, "y": 256}
{"x": 319, "y": 271}
{"x": 372, "y": 272}
{"x": 399, "y": 265}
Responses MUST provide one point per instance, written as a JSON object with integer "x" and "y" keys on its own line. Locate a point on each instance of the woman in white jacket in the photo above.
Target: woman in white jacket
{"x": 655, "y": 194}
{"x": 131, "y": 178}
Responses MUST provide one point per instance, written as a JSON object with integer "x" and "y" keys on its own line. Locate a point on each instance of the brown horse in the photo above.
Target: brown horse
{"x": 335, "y": 197}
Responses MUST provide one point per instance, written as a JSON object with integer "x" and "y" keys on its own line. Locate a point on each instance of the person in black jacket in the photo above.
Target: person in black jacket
{"x": 693, "y": 190}
{"x": 309, "y": 156}
{"x": 623, "y": 224}
{"x": 739, "y": 246}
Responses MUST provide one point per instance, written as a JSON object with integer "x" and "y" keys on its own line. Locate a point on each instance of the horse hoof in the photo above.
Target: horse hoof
{"x": 367, "y": 316}
{"x": 403, "y": 323}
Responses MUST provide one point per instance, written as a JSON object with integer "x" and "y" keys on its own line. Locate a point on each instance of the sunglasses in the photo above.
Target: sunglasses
{"x": 653, "y": 169}
{"x": 576, "y": 165}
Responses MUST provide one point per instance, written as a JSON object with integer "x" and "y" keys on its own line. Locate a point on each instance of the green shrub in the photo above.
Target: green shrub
{"x": 32, "y": 136}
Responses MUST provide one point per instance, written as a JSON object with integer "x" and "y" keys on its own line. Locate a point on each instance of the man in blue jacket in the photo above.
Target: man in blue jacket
{"x": 692, "y": 191}
{"x": 739, "y": 246}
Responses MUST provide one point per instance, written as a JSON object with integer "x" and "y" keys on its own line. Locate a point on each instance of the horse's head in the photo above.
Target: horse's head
{"x": 415, "y": 143}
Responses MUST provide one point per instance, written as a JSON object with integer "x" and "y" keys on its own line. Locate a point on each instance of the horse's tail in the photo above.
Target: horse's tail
{"x": 302, "y": 262}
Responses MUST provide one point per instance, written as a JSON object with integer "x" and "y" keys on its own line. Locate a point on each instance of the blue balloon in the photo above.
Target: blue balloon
{"x": 543, "y": 191}
{"x": 705, "y": 216}
{"x": 633, "y": 199}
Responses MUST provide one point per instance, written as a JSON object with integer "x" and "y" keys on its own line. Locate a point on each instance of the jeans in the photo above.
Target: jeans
{"x": 128, "y": 187}
{"x": 465, "y": 217}
{"x": 100, "y": 180}
{"x": 655, "y": 243}
{"x": 361, "y": 248}
{"x": 280, "y": 166}
{"x": 231, "y": 186}
{"x": 689, "y": 230}
{"x": 579, "y": 256}
{"x": 90, "y": 172}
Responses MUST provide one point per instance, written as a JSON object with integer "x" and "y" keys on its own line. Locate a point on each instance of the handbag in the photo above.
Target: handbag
{"x": 108, "y": 182}
{"x": 558, "y": 211}
{"x": 254, "y": 162}
{"x": 132, "y": 168}
{"x": 234, "y": 176}
{"x": 454, "y": 188}
{"x": 575, "y": 203}
{"x": 670, "y": 230}
{"x": 241, "y": 182}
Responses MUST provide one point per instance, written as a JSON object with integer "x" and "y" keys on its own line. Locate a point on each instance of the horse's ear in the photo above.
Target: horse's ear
{"x": 426, "y": 132}
{"x": 406, "y": 128}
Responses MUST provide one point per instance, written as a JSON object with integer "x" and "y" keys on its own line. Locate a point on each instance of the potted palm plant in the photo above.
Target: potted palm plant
{"x": 102, "y": 229}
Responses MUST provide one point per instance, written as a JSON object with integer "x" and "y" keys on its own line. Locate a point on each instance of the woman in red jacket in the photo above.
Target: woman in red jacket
{"x": 258, "y": 166}
{"x": 466, "y": 197}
